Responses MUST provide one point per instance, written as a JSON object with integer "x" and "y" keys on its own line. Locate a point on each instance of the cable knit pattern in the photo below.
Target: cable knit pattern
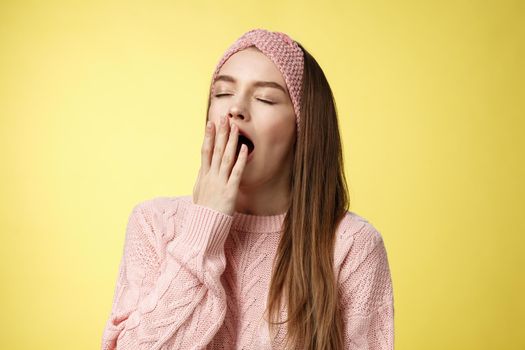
{"x": 191, "y": 277}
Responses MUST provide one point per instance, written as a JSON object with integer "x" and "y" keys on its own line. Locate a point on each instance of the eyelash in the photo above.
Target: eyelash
{"x": 264, "y": 101}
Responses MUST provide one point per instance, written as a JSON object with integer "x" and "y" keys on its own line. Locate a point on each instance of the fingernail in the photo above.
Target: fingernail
{"x": 208, "y": 124}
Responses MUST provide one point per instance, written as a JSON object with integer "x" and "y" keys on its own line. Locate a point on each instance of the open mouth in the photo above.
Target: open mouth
{"x": 244, "y": 140}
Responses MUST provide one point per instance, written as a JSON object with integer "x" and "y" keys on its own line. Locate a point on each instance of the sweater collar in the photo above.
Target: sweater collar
{"x": 249, "y": 223}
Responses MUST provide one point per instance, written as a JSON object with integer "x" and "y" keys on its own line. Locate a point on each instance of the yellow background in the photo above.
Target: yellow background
{"x": 102, "y": 106}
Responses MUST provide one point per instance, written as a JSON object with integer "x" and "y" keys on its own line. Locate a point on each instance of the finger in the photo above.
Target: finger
{"x": 220, "y": 143}
{"x": 238, "y": 168}
{"x": 228, "y": 157}
{"x": 207, "y": 147}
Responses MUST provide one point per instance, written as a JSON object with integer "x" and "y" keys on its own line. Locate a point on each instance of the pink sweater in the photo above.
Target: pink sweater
{"x": 192, "y": 277}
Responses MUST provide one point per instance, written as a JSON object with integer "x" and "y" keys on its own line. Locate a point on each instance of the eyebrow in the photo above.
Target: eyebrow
{"x": 270, "y": 84}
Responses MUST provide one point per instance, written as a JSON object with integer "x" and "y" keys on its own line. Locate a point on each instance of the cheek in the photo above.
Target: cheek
{"x": 214, "y": 114}
{"x": 279, "y": 137}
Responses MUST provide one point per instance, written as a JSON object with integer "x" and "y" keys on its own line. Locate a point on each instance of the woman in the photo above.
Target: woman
{"x": 264, "y": 254}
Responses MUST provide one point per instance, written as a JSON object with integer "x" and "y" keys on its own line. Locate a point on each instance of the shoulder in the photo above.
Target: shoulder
{"x": 162, "y": 204}
{"x": 356, "y": 238}
{"x": 356, "y": 228}
{"x": 160, "y": 216}
{"x": 153, "y": 223}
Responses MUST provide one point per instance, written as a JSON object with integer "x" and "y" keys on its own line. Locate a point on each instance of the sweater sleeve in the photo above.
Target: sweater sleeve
{"x": 172, "y": 299}
{"x": 366, "y": 293}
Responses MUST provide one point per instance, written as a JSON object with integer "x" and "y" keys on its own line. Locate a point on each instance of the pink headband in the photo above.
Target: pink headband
{"x": 282, "y": 50}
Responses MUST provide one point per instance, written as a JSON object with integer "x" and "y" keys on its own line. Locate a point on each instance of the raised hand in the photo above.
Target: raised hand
{"x": 217, "y": 183}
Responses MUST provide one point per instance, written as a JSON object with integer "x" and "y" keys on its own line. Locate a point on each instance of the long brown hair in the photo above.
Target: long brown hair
{"x": 303, "y": 271}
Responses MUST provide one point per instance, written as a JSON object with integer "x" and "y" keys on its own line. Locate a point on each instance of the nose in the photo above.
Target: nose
{"x": 235, "y": 114}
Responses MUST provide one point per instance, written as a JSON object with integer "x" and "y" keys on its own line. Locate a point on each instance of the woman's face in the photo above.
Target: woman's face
{"x": 265, "y": 113}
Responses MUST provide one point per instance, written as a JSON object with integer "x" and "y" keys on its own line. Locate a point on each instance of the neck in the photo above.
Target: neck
{"x": 271, "y": 198}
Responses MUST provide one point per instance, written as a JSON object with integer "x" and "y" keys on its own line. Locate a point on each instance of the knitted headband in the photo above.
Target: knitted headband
{"x": 282, "y": 50}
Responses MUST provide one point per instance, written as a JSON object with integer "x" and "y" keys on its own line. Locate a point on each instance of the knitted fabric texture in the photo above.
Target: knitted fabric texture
{"x": 285, "y": 54}
{"x": 191, "y": 277}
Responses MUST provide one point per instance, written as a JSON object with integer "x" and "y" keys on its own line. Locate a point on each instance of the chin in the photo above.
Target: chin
{"x": 247, "y": 179}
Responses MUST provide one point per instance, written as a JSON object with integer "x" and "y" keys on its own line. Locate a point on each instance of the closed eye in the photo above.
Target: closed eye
{"x": 268, "y": 102}
{"x": 264, "y": 101}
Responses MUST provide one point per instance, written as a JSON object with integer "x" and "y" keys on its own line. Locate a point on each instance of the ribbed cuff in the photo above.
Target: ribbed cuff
{"x": 205, "y": 229}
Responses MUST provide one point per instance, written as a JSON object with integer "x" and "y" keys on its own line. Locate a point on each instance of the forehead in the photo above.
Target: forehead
{"x": 251, "y": 64}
